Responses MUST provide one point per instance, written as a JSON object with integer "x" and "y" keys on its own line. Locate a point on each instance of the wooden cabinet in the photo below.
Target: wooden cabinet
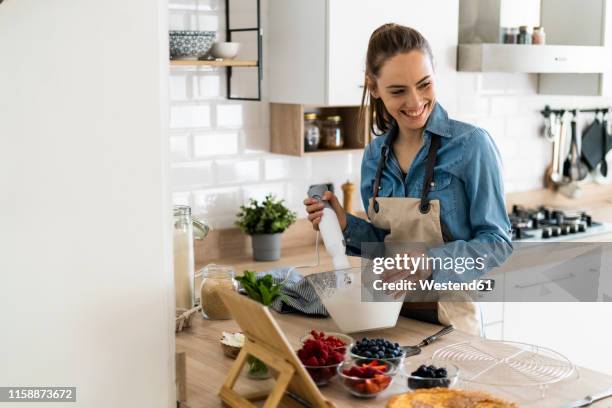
{"x": 318, "y": 47}
{"x": 317, "y": 59}
{"x": 287, "y": 128}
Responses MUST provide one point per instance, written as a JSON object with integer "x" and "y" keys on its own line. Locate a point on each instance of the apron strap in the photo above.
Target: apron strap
{"x": 429, "y": 170}
{"x": 379, "y": 170}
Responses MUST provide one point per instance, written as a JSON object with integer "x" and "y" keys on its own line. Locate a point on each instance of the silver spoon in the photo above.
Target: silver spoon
{"x": 414, "y": 350}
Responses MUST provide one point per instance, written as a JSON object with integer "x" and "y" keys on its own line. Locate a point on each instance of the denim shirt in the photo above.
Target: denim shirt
{"x": 467, "y": 182}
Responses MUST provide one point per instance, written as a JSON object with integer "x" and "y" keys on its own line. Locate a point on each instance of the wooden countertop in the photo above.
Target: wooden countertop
{"x": 207, "y": 367}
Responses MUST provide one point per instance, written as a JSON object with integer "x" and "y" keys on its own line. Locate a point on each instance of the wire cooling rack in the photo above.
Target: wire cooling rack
{"x": 506, "y": 363}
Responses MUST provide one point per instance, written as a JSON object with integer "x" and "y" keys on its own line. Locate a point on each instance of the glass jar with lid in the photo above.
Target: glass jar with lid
{"x": 332, "y": 135}
{"x": 215, "y": 277}
{"x": 183, "y": 257}
{"x": 524, "y": 36}
{"x": 186, "y": 229}
{"x": 538, "y": 36}
{"x": 312, "y": 132}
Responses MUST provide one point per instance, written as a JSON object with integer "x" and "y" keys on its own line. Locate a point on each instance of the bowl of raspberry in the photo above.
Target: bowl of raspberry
{"x": 321, "y": 355}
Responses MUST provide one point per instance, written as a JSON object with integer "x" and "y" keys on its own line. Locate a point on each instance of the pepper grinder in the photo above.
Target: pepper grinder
{"x": 348, "y": 189}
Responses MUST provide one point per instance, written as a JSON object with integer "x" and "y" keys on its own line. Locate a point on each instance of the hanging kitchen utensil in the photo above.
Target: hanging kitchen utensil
{"x": 583, "y": 169}
{"x": 556, "y": 175}
{"x": 604, "y": 131}
{"x": 571, "y": 169}
{"x": 549, "y": 123}
{"x": 414, "y": 350}
{"x": 552, "y": 133}
{"x": 592, "y": 143}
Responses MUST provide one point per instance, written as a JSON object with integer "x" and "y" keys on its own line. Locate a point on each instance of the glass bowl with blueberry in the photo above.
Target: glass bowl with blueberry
{"x": 430, "y": 376}
{"x": 378, "y": 348}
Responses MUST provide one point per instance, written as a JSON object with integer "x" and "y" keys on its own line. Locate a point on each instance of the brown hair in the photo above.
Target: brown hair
{"x": 386, "y": 42}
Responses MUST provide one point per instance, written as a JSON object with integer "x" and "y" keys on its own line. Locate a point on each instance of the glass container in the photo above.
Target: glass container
{"x": 506, "y": 35}
{"x": 183, "y": 258}
{"x": 312, "y": 132}
{"x": 524, "y": 36}
{"x": 513, "y": 36}
{"x": 332, "y": 133}
{"x": 216, "y": 277}
{"x": 538, "y": 36}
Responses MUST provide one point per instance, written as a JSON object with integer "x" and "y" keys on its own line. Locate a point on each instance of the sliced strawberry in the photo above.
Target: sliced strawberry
{"x": 355, "y": 372}
{"x": 371, "y": 387}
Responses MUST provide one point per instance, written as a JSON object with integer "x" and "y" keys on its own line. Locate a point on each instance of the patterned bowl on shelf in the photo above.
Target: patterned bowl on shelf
{"x": 188, "y": 44}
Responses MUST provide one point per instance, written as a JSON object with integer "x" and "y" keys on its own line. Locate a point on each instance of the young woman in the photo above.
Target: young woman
{"x": 425, "y": 178}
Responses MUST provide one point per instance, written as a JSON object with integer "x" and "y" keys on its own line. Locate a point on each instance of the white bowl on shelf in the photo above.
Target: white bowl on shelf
{"x": 225, "y": 50}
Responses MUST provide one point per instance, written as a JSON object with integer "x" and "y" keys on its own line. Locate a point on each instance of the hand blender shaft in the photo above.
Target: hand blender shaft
{"x": 330, "y": 229}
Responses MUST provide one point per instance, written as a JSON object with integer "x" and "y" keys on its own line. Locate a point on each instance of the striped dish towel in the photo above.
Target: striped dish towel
{"x": 299, "y": 295}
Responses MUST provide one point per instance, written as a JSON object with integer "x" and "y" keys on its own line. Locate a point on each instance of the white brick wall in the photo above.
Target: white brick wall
{"x": 220, "y": 147}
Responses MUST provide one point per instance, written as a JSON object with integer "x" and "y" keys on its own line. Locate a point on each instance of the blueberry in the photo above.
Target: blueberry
{"x": 420, "y": 372}
{"x": 367, "y": 354}
{"x": 441, "y": 373}
{"x": 396, "y": 345}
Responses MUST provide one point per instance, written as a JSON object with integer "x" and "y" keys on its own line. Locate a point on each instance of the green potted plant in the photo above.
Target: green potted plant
{"x": 265, "y": 223}
{"x": 264, "y": 291}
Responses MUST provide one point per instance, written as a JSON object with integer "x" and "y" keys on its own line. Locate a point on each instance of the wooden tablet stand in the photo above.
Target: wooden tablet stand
{"x": 265, "y": 341}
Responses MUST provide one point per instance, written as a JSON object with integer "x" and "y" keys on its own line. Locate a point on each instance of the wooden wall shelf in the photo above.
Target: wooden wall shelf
{"x": 287, "y": 129}
{"x": 213, "y": 63}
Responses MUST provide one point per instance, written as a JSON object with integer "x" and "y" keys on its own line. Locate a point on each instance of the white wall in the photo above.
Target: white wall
{"x": 85, "y": 261}
{"x": 220, "y": 148}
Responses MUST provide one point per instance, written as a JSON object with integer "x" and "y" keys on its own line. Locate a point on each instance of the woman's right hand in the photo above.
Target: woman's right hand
{"x": 314, "y": 208}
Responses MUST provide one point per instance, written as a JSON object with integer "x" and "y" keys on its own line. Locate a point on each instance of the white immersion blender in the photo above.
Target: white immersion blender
{"x": 330, "y": 229}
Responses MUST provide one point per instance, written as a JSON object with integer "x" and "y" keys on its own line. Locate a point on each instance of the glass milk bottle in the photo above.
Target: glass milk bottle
{"x": 183, "y": 258}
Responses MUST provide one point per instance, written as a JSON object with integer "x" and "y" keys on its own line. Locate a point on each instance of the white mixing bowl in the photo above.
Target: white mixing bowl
{"x": 340, "y": 292}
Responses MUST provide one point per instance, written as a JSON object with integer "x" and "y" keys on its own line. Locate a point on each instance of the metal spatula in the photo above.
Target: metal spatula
{"x": 414, "y": 350}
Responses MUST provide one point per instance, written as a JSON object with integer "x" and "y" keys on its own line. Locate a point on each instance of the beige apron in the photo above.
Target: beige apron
{"x": 412, "y": 220}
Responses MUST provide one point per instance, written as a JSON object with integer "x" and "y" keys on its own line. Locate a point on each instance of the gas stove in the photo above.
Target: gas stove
{"x": 550, "y": 224}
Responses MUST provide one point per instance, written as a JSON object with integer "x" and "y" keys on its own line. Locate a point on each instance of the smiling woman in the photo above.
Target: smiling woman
{"x": 399, "y": 79}
{"x": 426, "y": 179}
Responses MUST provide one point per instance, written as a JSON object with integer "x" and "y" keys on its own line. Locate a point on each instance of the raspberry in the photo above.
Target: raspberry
{"x": 311, "y": 361}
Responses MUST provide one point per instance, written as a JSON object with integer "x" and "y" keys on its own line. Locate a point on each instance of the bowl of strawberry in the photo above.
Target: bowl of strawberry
{"x": 367, "y": 378}
{"x": 321, "y": 355}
